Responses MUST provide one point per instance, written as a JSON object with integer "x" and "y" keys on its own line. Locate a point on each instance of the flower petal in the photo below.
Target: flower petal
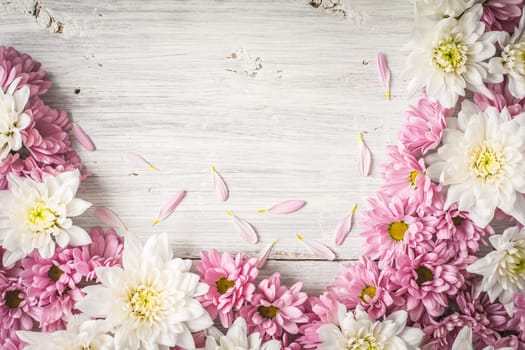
{"x": 384, "y": 73}
{"x": 344, "y": 227}
{"x": 365, "y": 157}
{"x": 82, "y": 137}
{"x": 285, "y": 207}
{"x": 221, "y": 189}
{"x": 263, "y": 255}
{"x": 108, "y": 217}
{"x": 137, "y": 161}
{"x": 169, "y": 207}
{"x": 245, "y": 229}
{"x": 317, "y": 248}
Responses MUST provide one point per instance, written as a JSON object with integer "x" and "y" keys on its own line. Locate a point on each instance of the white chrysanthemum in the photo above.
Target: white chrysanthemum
{"x": 36, "y": 215}
{"x": 238, "y": 339}
{"x": 512, "y": 60}
{"x": 482, "y": 160}
{"x": 360, "y": 332}
{"x": 448, "y": 57}
{"x": 442, "y": 8}
{"x": 503, "y": 269}
{"x": 149, "y": 301}
{"x": 81, "y": 333}
{"x": 463, "y": 341}
{"x": 12, "y": 118}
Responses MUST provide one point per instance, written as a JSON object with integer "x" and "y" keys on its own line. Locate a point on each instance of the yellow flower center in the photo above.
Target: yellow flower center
{"x": 41, "y": 218}
{"x": 12, "y": 299}
{"x": 412, "y": 176}
{"x": 513, "y": 57}
{"x": 450, "y": 56}
{"x": 144, "y": 303}
{"x": 368, "y": 293}
{"x": 424, "y": 275}
{"x": 367, "y": 342}
{"x": 485, "y": 161}
{"x": 268, "y": 312}
{"x": 223, "y": 285}
{"x": 397, "y": 230}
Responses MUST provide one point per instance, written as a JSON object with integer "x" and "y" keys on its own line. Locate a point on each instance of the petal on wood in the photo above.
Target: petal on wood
{"x": 263, "y": 255}
{"x": 317, "y": 248}
{"x": 244, "y": 228}
{"x": 221, "y": 189}
{"x": 365, "y": 157}
{"x": 137, "y": 161}
{"x": 108, "y": 217}
{"x": 344, "y": 227}
{"x": 285, "y": 207}
{"x": 83, "y": 138}
{"x": 169, "y": 207}
{"x": 384, "y": 73}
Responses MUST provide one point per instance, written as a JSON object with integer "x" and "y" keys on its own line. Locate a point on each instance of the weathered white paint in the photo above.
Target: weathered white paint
{"x": 157, "y": 77}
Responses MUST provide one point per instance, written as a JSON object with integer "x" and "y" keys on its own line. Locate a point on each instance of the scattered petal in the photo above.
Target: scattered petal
{"x": 317, "y": 248}
{"x": 384, "y": 73}
{"x": 169, "y": 207}
{"x": 136, "y": 161}
{"x": 285, "y": 207}
{"x": 108, "y": 217}
{"x": 364, "y": 157}
{"x": 263, "y": 255}
{"x": 221, "y": 189}
{"x": 344, "y": 227}
{"x": 246, "y": 230}
{"x": 83, "y": 138}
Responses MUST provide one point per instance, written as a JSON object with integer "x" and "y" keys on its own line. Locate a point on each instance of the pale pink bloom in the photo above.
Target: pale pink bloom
{"x": 83, "y": 138}
{"x": 425, "y": 279}
{"x": 365, "y": 285}
{"x": 320, "y": 310}
{"x": 275, "y": 309}
{"x": 424, "y": 126}
{"x": 501, "y": 15}
{"x": 285, "y": 207}
{"x": 14, "y": 65}
{"x": 365, "y": 157}
{"x": 230, "y": 282}
{"x": 317, "y": 248}
{"x": 502, "y": 98}
{"x": 169, "y": 206}
{"x": 221, "y": 189}
{"x": 392, "y": 225}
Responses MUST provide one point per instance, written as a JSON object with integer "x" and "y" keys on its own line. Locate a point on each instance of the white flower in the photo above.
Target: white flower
{"x": 360, "y": 332}
{"x": 442, "y": 8}
{"x": 149, "y": 302}
{"x": 81, "y": 333}
{"x": 463, "y": 341}
{"x": 448, "y": 57}
{"x": 237, "y": 339}
{"x": 12, "y": 118}
{"x": 512, "y": 60}
{"x": 503, "y": 269}
{"x": 482, "y": 160}
{"x": 36, "y": 215}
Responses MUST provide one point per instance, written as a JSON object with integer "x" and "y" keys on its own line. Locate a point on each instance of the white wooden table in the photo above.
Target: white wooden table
{"x": 158, "y": 78}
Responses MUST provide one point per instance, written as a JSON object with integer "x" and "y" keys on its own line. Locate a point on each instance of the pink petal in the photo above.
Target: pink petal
{"x": 344, "y": 226}
{"x": 83, "y": 138}
{"x": 384, "y": 73}
{"x": 136, "y": 161}
{"x": 245, "y": 229}
{"x": 108, "y": 217}
{"x": 169, "y": 207}
{"x": 221, "y": 189}
{"x": 317, "y": 248}
{"x": 365, "y": 157}
{"x": 285, "y": 207}
{"x": 263, "y": 255}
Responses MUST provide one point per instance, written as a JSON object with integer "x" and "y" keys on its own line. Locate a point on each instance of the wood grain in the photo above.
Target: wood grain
{"x": 158, "y": 78}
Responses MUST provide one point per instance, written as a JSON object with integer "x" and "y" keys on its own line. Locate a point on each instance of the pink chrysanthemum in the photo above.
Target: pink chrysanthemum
{"x": 502, "y": 98}
{"x": 502, "y": 15}
{"x": 17, "y": 309}
{"x": 230, "y": 282}
{"x": 365, "y": 285}
{"x": 392, "y": 225}
{"x": 53, "y": 283}
{"x": 425, "y": 279}
{"x": 424, "y": 126}
{"x": 46, "y": 146}
{"x": 518, "y": 320}
{"x": 14, "y": 65}
{"x": 320, "y": 310}
{"x": 406, "y": 177}
{"x": 275, "y": 308}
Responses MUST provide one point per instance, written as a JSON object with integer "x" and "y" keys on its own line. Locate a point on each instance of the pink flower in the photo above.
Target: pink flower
{"x": 230, "y": 282}
{"x": 424, "y": 126}
{"x": 424, "y": 279}
{"x": 406, "y": 177}
{"x": 365, "y": 285}
{"x": 275, "y": 308}
{"x": 518, "y": 320}
{"x": 392, "y": 225}
{"x": 502, "y": 98}
{"x": 502, "y": 15}
{"x": 14, "y": 65}
{"x": 320, "y": 310}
